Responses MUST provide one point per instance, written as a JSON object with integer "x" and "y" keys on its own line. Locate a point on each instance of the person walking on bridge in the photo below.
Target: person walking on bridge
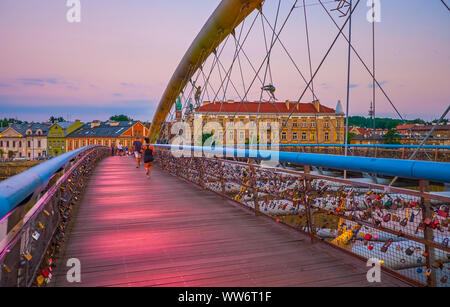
{"x": 148, "y": 151}
{"x": 137, "y": 147}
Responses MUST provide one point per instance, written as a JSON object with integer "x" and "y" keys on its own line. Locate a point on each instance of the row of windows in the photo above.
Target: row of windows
{"x": 241, "y": 136}
{"x": 17, "y": 144}
{"x": 81, "y": 143}
{"x": 304, "y": 123}
{"x": 56, "y": 144}
{"x": 29, "y": 154}
{"x": 311, "y": 137}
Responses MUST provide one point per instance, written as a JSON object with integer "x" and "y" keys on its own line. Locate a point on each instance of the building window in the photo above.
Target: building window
{"x": 326, "y": 124}
{"x": 39, "y": 143}
{"x": 304, "y": 124}
{"x": 20, "y": 144}
{"x": 294, "y": 136}
{"x": 76, "y": 144}
{"x": 283, "y": 136}
{"x": 1, "y": 143}
{"x": 294, "y": 123}
{"x": 313, "y": 124}
{"x": 84, "y": 143}
{"x": 241, "y": 135}
{"x": 231, "y": 134}
{"x": 311, "y": 137}
{"x": 7, "y": 143}
{"x": 304, "y": 136}
{"x": 338, "y": 123}
{"x": 14, "y": 144}
{"x": 326, "y": 136}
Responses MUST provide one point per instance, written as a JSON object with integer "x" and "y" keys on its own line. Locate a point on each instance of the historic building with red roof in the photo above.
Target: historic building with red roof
{"x": 298, "y": 122}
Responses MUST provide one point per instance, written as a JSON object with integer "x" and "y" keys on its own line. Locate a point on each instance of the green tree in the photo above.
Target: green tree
{"x": 11, "y": 154}
{"x": 54, "y": 119}
{"x": 121, "y": 118}
{"x": 247, "y": 141}
{"x": 206, "y": 136}
{"x": 391, "y": 137}
{"x": 350, "y": 136}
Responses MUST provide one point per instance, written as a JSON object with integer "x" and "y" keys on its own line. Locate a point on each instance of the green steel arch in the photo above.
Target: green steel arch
{"x": 227, "y": 16}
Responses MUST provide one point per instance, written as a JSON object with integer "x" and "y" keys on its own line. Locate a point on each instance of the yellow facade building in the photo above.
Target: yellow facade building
{"x": 302, "y": 123}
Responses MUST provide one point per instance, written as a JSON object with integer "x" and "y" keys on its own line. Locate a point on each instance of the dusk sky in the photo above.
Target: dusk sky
{"x": 121, "y": 55}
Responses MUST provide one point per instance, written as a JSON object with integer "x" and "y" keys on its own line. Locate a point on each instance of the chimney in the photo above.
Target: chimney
{"x": 205, "y": 103}
{"x": 316, "y": 104}
{"x": 230, "y": 101}
{"x": 287, "y": 105}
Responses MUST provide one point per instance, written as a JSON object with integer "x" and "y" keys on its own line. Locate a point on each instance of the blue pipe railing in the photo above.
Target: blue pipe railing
{"x": 394, "y": 146}
{"x": 16, "y": 189}
{"x": 427, "y": 170}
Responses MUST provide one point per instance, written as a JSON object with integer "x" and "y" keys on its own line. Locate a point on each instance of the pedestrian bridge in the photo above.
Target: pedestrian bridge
{"x": 131, "y": 231}
{"x": 204, "y": 221}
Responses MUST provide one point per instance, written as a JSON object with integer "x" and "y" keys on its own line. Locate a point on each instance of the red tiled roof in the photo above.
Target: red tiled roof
{"x": 427, "y": 128}
{"x": 407, "y": 126}
{"x": 265, "y": 107}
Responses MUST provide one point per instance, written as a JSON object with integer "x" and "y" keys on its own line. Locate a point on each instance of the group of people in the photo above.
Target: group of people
{"x": 120, "y": 150}
{"x": 141, "y": 151}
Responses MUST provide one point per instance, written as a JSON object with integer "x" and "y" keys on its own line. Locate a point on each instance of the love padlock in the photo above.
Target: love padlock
{"x": 443, "y": 211}
{"x": 410, "y": 250}
{"x": 386, "y": 245}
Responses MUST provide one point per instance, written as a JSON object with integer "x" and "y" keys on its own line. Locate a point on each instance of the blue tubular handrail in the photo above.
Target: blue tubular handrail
{"x": 427, "y": 170}
{"x": 16, "y": 189}
{"x": 358, "y": 145}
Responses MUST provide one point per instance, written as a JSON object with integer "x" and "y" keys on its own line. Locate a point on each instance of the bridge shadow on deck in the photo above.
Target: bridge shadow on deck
{"x": 131, "y": 231}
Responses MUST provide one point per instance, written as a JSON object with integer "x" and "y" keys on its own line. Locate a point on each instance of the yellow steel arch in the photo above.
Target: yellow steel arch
{"x": 227, "y": 16}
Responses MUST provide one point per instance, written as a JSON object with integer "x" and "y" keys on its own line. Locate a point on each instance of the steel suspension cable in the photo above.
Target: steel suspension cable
{"x": 364, "y": 64}
{"x": 324, "y": 58}
{"x": 269, "y": 52}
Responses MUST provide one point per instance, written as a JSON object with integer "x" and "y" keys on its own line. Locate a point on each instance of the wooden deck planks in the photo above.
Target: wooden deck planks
{"x": 131, "y": 231}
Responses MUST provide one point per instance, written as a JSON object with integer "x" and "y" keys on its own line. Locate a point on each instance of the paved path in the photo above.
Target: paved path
{"x": 131, "y": 231}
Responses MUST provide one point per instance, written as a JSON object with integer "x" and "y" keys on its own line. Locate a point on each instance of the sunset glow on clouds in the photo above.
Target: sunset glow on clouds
{"x": 121, "y": 56}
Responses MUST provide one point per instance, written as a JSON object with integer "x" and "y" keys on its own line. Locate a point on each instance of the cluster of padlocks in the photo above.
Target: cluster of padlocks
{"x": 408, "y": 233}
{"x": 30, "y": 258}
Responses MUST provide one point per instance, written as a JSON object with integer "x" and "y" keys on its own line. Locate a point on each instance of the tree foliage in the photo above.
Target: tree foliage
{"x": 380, "y": 123}
{"x": 6, "y": 121}
{"x": 121, "y": 118}
{"x": 206, "y": 136}
{"x": 391, "y": 137}
{"x": 54, "y": 119}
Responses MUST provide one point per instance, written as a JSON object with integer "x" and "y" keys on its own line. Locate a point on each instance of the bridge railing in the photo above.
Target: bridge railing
{"x": 406, "y": 230}
{"x": 33, "y": 230}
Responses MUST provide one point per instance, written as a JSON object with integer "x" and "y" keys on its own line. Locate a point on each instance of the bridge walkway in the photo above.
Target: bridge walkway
{"x": 132, "y": 231}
